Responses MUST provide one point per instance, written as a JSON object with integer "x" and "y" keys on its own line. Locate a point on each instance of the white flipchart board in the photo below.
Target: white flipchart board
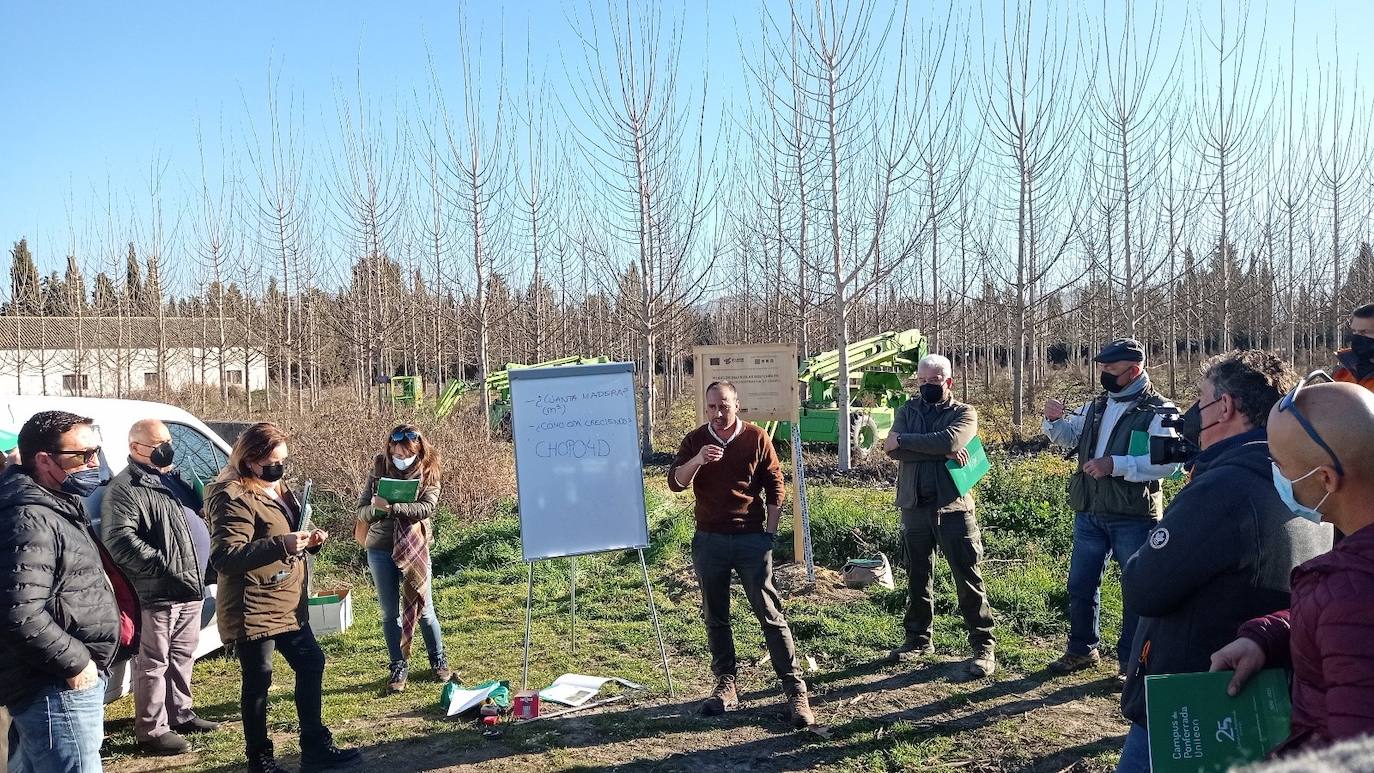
{"x": 577, "y": 463}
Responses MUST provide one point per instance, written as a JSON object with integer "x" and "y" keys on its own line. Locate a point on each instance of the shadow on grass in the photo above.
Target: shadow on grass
{"x": 463, "y": 743}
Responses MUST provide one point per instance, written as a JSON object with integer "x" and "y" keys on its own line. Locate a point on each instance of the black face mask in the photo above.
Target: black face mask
{"x": 1109, "y": 382}
{"x": 272, "y": 473}
{"x": 1189, "y": 425}
{"x": 1362, "y": 346}
{"x": 162, "y": 455}
{"x": 933, "y": 393}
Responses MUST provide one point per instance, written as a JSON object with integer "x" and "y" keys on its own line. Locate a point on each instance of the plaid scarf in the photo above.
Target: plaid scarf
{"x": 410, "y": 551}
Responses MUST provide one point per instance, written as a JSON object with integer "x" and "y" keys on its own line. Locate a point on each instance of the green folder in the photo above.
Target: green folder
{"x": 967, "y": 476}
{"x": 396, "y": 491}
{"x": 8, "y": 441}
{"x": 1194, "y": 726}
{"x": 1140, "y": 446}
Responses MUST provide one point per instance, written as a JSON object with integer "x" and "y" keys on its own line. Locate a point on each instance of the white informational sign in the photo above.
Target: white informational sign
{"x": 577, "y": 463}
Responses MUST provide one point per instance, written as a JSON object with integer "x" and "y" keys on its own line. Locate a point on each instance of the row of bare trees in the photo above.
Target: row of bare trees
{"x": 1020, "y": 181}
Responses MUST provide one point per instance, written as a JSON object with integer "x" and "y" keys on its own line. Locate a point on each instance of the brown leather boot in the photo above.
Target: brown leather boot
{"x": 799, "y": 706}
{"x": 724, "y": 698}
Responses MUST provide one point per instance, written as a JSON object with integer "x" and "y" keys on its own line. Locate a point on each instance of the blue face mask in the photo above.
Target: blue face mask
{"x": 1285, "y": 488}
{"x": 82, "y": 482}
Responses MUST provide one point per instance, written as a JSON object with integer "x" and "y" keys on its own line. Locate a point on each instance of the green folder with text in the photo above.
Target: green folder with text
{"x": 395, "y": 491}
{"x": 967, "y": 476}
{"x": 1195, "y": 727}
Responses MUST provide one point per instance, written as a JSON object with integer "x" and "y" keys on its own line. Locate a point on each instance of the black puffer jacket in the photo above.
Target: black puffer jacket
{"x": 1222, "y": 555}
{"x": 57, "y": 608}
{"x": 144, "y": 526}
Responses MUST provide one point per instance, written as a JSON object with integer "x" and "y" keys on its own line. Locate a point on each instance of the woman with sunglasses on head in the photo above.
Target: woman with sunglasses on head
{"x": 258, "y": 549}
{"x": 397, "y": 537}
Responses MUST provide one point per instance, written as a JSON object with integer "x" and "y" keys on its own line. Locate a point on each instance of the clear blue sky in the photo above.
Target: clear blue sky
{"x": 95, "y": 91}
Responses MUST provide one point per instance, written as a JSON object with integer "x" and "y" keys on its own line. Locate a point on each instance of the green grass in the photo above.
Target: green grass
{"x": 480, "y": 591}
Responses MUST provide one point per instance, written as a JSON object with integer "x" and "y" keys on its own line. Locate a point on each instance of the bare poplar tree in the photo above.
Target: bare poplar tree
{"x": 647, "y": 147}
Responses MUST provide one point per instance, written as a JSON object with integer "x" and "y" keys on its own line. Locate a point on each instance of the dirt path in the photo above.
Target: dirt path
{"x": 879, "y": 717}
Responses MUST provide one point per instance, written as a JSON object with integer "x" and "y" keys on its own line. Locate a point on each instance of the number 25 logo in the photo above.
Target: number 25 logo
{"x": 1226, "y": 730}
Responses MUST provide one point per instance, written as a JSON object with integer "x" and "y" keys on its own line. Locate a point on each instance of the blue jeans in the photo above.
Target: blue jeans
{"x": 1095, "y": 538}
{"x": 58, "y": 731}
{"x": 387, "y": 577}
{"x": 1135, "y": 755}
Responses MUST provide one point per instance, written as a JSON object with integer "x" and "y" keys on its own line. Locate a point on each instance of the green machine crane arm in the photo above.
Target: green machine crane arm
{"x": 899, "y": 351}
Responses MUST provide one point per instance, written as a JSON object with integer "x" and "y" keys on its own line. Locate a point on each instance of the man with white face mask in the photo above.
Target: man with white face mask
{"x": 1322, "y": 443}
{"x": 1227, "y": 543}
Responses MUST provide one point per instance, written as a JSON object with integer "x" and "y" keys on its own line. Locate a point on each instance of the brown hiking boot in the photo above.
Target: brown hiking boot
{"x": 724, "y": 698}
{"x": 799, "y": 707}
{"x": 1069, "y": 662}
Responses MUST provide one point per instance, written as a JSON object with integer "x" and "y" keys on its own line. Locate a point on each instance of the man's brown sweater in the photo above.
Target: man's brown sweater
{"x": 730, "y": 491}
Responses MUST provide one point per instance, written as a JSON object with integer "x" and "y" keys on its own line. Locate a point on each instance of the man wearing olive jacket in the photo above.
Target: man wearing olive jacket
{"x": 152, "y": 525}
{"x": 927, "y": 432}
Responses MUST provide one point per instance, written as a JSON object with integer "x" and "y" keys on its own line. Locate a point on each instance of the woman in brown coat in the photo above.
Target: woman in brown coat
{"x": 258, "y": 550}
{"x": 397, "y": 538}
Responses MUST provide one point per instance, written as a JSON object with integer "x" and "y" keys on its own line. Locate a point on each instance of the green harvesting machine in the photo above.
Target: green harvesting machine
{"x": 877, "y": 368}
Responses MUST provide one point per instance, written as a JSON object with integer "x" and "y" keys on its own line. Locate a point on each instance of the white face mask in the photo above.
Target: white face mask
{"x": 403, "y": 462}
{"x": 1285, "y": 488}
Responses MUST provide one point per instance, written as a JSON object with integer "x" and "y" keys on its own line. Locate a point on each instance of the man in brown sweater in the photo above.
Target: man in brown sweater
{"x": 733, "y": 469}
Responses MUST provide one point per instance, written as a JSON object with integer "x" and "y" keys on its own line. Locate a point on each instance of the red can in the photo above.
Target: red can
{"x": 525, "y": 704}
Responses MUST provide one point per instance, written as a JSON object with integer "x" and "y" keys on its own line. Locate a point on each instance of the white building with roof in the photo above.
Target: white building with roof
{"x": 119, "y": 356}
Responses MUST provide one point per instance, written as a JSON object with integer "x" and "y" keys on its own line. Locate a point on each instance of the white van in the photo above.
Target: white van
{"x": 199, "y": 452}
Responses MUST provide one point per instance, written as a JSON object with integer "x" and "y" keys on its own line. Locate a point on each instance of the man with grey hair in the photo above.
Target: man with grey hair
{"x": 927, "y": 432}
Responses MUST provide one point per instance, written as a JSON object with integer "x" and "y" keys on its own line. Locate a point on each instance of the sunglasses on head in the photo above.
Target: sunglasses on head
{"x": 87, "y": 455}
{"x": 402, "y": 435}
{"x": 1289, "y": 404}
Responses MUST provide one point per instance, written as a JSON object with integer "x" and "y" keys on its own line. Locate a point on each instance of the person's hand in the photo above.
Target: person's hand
{"x": 960, "y": 456}
{"x": 1054, "y": 410}
{"x": 87, "y": 678}
{"x": 316, "y": 538}
{"x": 710, "y": 453}
{"x": 1099, "y": 468}
{"x": 890, "y": 442}
{"x": 297, "y": 542}
{"x": 1244, "y": 656}
{"x": 381, "y": 504}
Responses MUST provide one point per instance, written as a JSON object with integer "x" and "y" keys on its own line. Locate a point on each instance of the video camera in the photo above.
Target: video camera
{"x": 1174, "y": 450}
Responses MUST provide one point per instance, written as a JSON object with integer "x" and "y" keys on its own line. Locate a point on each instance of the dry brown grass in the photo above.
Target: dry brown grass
{"x": 335, "y": 442}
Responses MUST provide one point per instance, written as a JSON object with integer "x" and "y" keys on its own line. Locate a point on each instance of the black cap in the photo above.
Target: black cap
{"x": 1121, "y": 350}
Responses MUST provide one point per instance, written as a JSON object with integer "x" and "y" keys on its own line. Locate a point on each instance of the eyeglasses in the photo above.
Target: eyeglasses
{"x": 402, "y": 435}
{"x": 87, "y": 455}
{"x": 1289, "y": 403}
